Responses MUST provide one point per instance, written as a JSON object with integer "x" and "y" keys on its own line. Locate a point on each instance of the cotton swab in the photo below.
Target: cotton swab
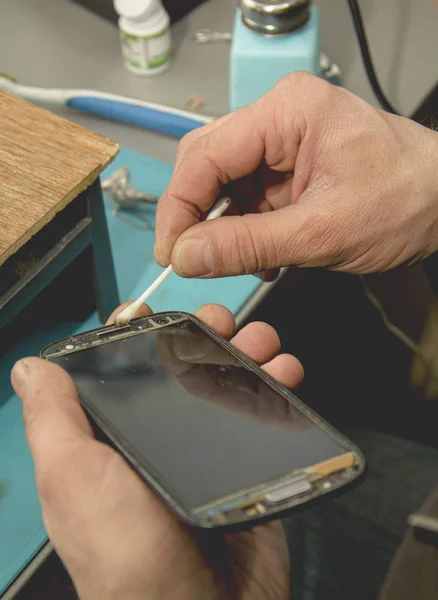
{"x": 129, "y": 313}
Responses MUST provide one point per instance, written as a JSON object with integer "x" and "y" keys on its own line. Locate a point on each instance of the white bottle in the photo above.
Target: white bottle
{"x": 144, "y": 27}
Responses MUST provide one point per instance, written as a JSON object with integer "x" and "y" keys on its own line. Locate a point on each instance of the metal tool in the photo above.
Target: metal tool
{"x": 270, "y": 17}
{"x": 127, "y": 198}
{"x": 205, "y": 36}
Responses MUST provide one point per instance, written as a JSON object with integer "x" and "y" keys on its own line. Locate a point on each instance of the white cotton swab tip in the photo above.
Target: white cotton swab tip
{"x": 130, "y": 311}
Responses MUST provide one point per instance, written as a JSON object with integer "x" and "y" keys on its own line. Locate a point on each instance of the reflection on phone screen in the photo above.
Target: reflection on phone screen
{"x": 203, "y": 423}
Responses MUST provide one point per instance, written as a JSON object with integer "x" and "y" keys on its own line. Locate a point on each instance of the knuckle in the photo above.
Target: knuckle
{"x": 307, "y": 86}
{"x": 188, "y": 140}
{"x": 251, "y": 250}
{"x": 297, "y": 79}
{"x": 211, "y": 164}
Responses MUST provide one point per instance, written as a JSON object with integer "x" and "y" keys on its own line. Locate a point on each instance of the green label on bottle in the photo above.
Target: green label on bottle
{"x": 157, "y": 61}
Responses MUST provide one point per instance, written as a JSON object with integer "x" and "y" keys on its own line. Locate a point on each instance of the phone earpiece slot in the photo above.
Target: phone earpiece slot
{"x": 102, "y": 335}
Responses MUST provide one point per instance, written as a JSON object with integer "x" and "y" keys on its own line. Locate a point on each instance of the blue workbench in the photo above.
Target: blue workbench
{"x": 21, "y": 529}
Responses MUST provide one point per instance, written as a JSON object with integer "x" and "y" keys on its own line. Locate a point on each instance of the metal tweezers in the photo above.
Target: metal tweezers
{"x": 129, "y": 199}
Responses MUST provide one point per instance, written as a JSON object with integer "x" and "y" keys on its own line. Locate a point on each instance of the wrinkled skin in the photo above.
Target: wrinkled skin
{"x": 116, "y": 538}
{"x": 319, "y": 177}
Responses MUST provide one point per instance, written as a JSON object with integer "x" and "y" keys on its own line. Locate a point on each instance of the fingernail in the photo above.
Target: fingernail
{"x": 193, "y": 257}
{"x": 19, "y": 375}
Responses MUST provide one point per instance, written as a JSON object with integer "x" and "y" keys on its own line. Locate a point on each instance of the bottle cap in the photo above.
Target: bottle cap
{"x": 275, "y": 17}
{"x": 136, "y": 10}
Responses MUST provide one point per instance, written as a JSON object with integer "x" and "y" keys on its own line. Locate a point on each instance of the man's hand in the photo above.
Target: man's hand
{"x": 320, "y": 178}
{"x": 114, "y": 535}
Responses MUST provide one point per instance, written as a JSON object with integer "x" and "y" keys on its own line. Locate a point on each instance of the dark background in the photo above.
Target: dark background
{"x": 175, "y": 8}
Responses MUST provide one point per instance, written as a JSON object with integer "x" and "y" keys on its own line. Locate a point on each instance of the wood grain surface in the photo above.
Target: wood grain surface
{"x": 45, "y": 162}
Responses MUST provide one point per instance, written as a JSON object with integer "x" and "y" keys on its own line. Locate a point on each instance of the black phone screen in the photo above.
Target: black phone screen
{"x": 201, "y": 422}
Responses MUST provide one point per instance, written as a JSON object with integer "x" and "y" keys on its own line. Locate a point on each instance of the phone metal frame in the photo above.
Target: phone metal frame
{"x": 221, "y": 514}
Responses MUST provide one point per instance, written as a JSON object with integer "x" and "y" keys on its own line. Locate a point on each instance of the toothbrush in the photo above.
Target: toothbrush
{"x": 147, "y": 115}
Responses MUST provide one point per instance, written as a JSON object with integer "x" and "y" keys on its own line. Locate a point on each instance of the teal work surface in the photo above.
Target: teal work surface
{"x": 21, "y": 529}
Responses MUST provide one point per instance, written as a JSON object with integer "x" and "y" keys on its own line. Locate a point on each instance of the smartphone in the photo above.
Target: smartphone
{"x": 218, "y": 439}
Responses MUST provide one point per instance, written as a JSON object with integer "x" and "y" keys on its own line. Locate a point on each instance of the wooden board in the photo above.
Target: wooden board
{"x": 45, "y": 162}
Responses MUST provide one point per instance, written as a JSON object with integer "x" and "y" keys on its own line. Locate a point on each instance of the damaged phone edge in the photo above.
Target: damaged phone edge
{"x": 248, "y": 507}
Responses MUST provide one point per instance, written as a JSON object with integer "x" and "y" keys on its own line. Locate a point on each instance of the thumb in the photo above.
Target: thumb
{"x": 294, "y": 235}
{"x": 53, "y": 418}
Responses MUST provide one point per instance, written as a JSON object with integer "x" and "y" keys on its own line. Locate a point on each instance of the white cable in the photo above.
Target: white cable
{"x": 397, "y": 332}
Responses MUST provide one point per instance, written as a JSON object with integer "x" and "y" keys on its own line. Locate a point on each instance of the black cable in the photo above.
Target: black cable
{"x": 367, "y": 59}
